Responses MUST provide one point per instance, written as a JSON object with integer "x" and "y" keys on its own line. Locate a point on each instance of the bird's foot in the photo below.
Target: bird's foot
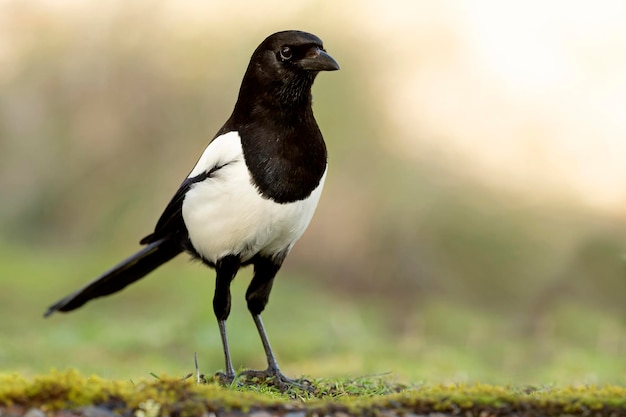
{"x": 224, "y": 378}
{"x": 275, "y": 378}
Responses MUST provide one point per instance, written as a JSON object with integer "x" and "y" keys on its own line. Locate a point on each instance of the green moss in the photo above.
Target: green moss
{"x": 70, "y": 390}
{"x": 167, "y": 396}
{"x": 479, "y": 397}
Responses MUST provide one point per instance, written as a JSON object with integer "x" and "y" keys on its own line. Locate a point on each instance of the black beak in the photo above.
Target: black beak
{"x": 318, "y": 61}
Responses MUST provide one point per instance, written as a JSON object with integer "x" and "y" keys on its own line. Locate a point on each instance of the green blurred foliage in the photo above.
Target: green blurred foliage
{"x": 102, "y": 117}
{"x": 156, "y": 325}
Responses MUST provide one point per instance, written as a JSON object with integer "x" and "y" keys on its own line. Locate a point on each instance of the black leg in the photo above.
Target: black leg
{"x": 258, "y": 292}
{"x": 257, "y": 295}
{"x": 226, "y": 268}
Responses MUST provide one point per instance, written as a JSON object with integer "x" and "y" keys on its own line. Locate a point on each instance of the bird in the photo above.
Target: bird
{"x": 249, "y": 197}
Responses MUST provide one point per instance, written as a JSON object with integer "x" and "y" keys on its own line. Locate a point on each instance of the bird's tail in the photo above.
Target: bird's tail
{"x": 121, "y": 275}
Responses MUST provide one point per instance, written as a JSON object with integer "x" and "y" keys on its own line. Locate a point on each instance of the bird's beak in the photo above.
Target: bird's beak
{"x": 319, "y": 60}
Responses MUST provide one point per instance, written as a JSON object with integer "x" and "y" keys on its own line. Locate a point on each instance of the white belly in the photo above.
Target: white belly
{"x": 226, "y": 215}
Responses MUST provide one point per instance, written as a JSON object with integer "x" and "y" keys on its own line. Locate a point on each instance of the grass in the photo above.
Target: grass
{"x": 156, "y": 325}
{"x": 371, "y": 396}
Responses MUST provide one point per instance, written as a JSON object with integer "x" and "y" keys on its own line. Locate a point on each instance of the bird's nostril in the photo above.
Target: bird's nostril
{"x": 313, "y": 53}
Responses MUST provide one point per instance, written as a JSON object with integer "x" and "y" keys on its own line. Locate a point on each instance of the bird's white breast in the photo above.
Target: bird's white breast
{"x": 225, "y": 214}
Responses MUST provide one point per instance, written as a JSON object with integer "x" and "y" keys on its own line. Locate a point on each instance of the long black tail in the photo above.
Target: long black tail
{"x": 121, "y": 275}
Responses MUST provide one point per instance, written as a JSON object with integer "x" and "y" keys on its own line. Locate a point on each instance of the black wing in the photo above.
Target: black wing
{"x": 171, "y": 222}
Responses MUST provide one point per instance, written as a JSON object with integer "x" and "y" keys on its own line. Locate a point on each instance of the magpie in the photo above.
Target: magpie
{"x": 250, "y": 196}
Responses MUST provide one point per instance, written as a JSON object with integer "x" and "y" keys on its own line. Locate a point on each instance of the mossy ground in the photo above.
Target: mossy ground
{"x": 69, "y": 393}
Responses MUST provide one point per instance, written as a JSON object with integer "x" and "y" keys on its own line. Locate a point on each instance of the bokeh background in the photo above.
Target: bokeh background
{"x": 473, "y": 225}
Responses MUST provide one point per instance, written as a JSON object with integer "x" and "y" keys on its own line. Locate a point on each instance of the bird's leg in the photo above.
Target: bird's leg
{"x": 273, "y": 371}
{"x": 229, "y": 375}
{"x": 226, "y": 268}
{"x": 257, "y": 295}
{"x": 272, "y": 366}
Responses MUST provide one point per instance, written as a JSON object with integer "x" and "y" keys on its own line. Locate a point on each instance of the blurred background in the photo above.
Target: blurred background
{"x": 473, "y": 224}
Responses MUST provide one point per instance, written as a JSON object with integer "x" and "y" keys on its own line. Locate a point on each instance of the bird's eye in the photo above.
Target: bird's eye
{"x": 285, "y": 53}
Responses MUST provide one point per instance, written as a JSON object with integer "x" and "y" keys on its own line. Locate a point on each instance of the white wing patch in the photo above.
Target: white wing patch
{"x": 221, "y": 150}
{"x": 226, "y": 215}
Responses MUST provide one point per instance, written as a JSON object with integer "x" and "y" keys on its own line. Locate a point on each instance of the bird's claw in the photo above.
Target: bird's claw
{"x": 224, "y": 378}
{"x": 275, "y": 378}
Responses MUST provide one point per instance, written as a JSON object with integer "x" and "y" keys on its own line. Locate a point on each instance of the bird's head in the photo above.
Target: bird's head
{"x": 285, "y": 65}
{"x": 293, "y": 51}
